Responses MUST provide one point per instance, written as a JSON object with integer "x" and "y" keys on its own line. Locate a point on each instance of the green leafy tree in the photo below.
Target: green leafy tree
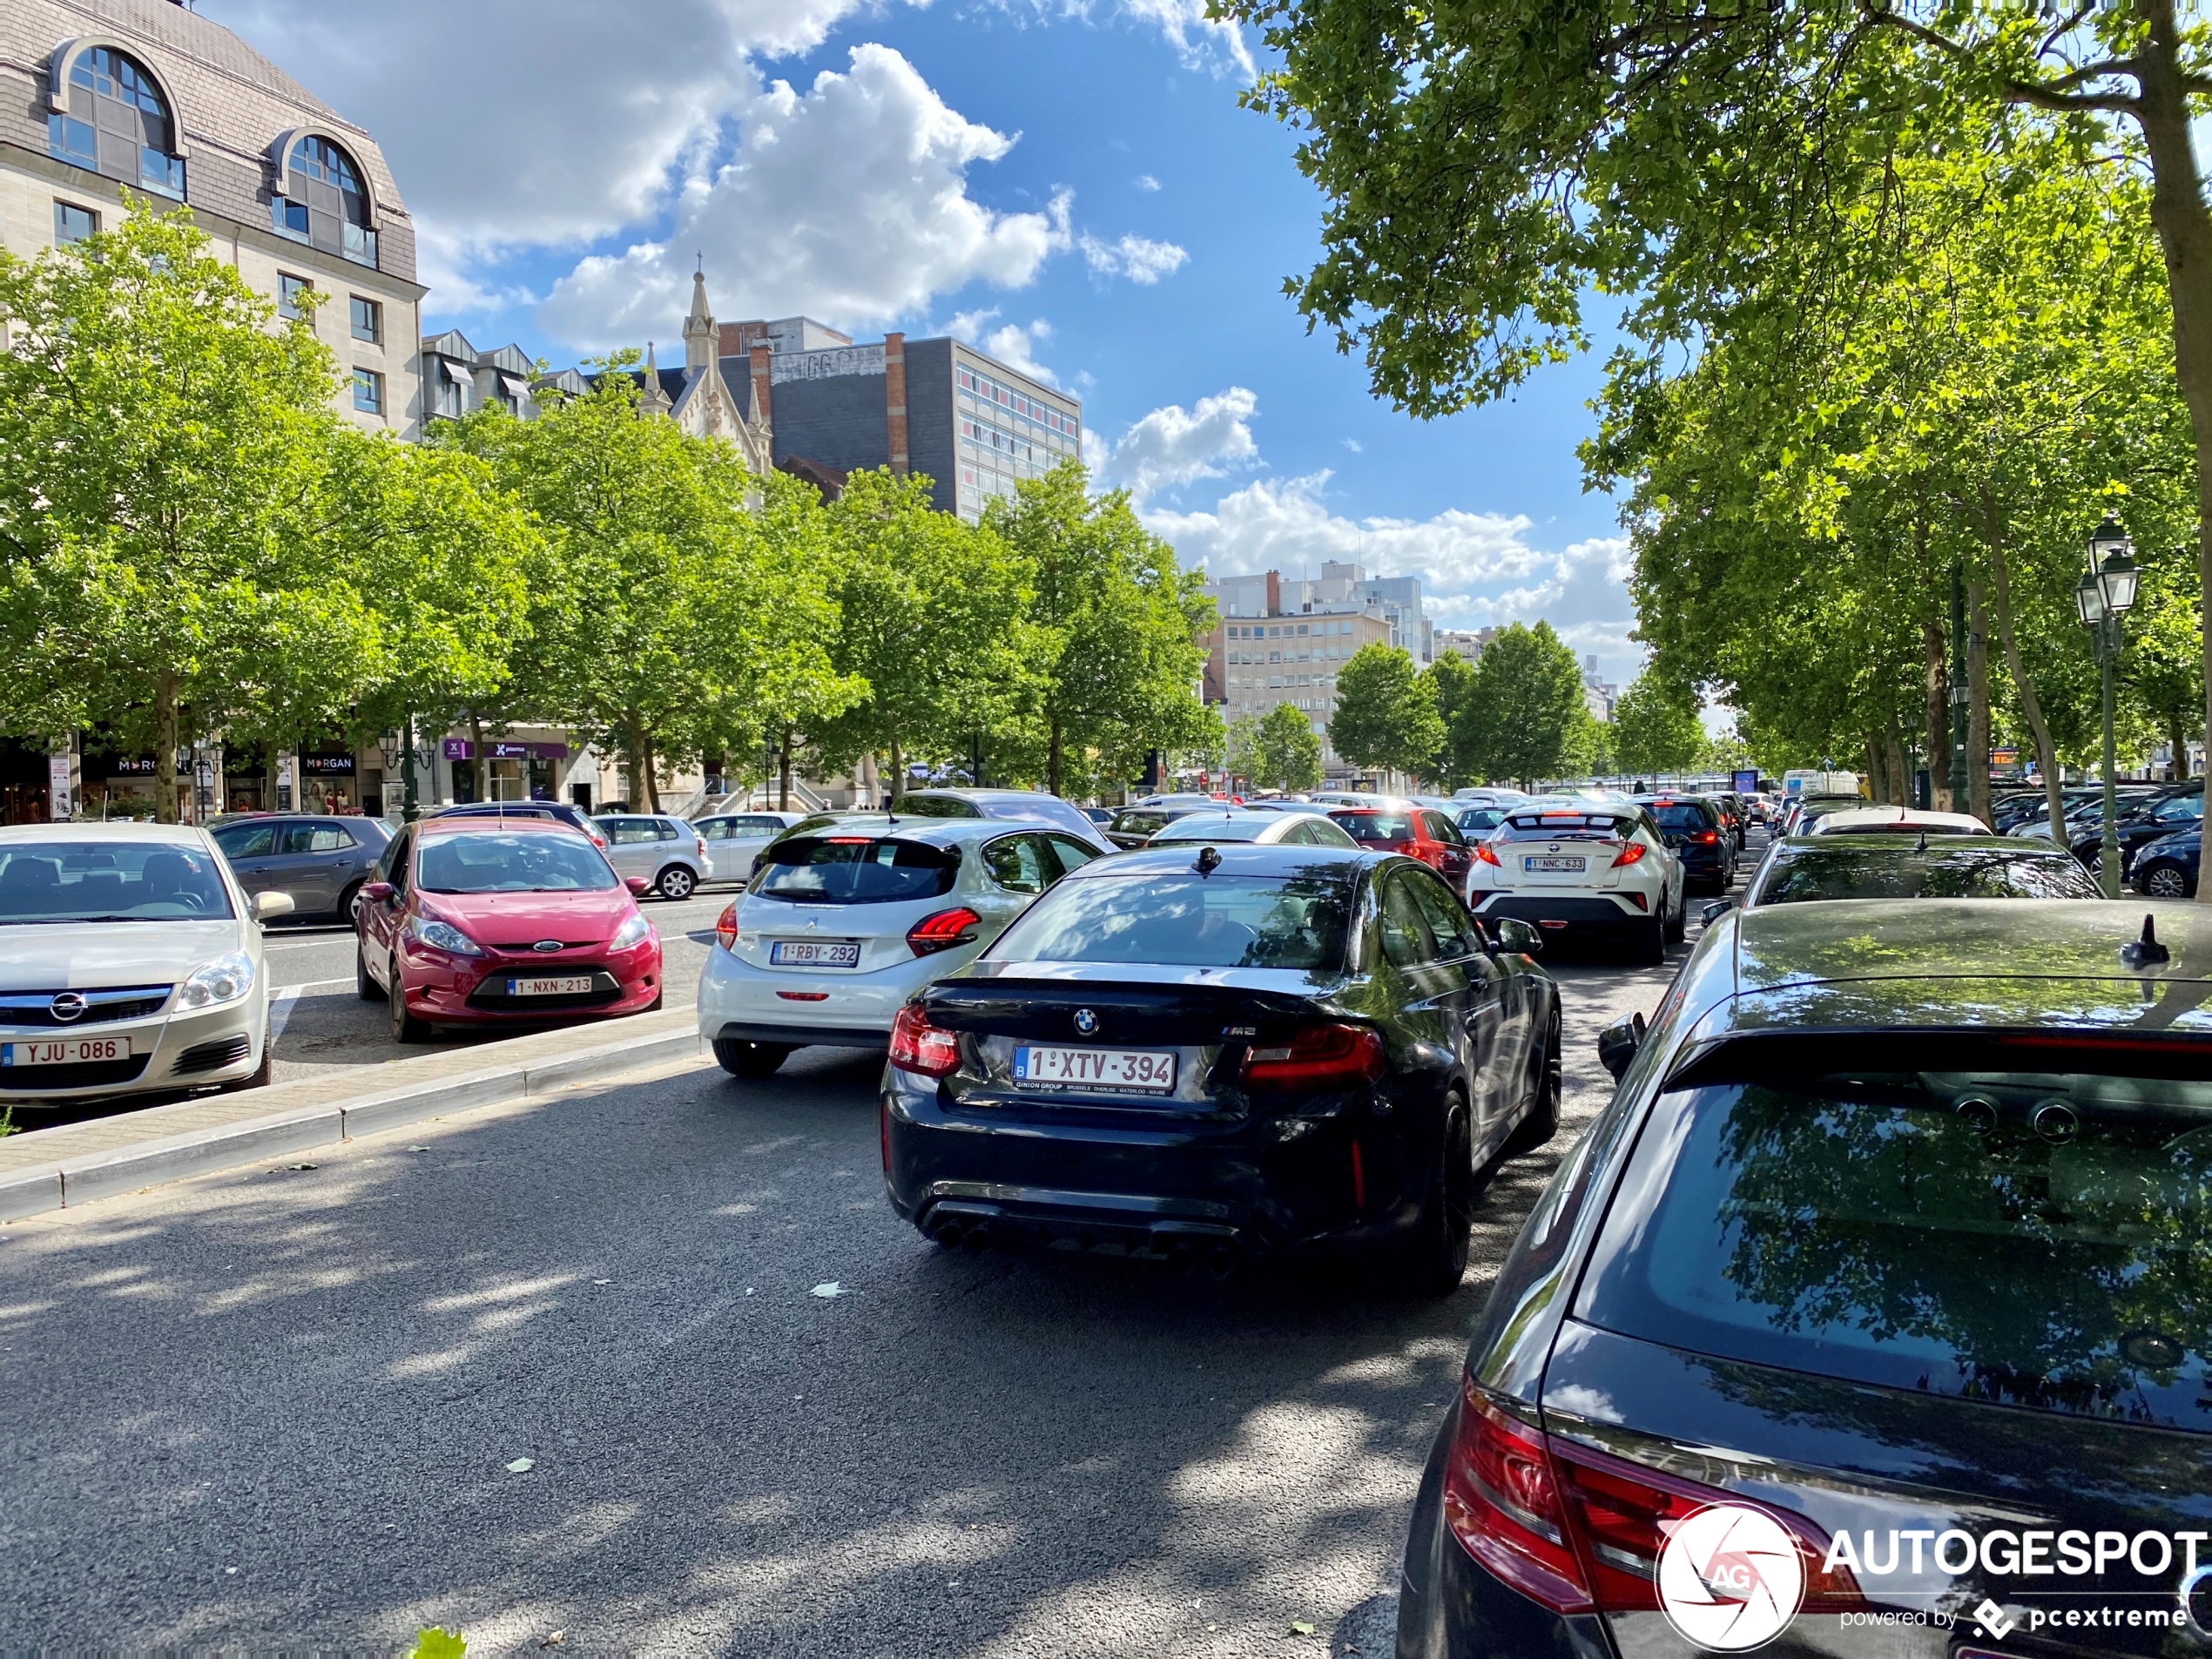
{"x": 1288, "y": 751}
{"x": 1656, "y": 727}
{"x": 1241, "y": 748}
{"x": 1450, "y": 681}
{"x": 1385, "y": 717}
{"x": 1526, "y": 718}
{"x": 165, "y": 436}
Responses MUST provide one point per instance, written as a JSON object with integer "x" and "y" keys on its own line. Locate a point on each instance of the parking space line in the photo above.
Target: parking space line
{"x": 281, "y": 1004}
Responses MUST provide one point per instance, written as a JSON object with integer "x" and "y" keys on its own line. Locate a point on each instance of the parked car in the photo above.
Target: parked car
{"x": 1896, "y": 820}
{"x": 1422, "y": 832}
{"x": 2165, "y": 813}
{"x": 1475, "y": 823}
{"x": 1806, "y": 809}
{"x": 1800, "y": 869}
{"x": 133, "y": 964}
{"x": 1694, "y": 833}
{"x": 840, "y": 924}
{"x": 1205, "y": 1059}
{"x": 1258, "y": 829}
{"x": 471, "y": 923}
{"x": 1100, "y": 816}
{"x": 1007, "y": 806}
{"x": 734, "y": 840}
{"x": 1583, "y": 871}
{"x": 2085, "y": 812}
{"x": 668, "y": 854}
{"x": 1871, "y": 1250}
{"x": 558, "y": 811}
{"x": 2166, "y": 868}
{"x": 1134, "y": 825}
{"x": 322, "y": 863}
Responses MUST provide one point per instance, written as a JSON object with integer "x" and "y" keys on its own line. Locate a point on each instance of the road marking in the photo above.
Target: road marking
{"x": 280, "y": 1005}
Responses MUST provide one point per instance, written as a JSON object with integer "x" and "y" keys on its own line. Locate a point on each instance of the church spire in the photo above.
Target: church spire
{"x": 653, "y": 401}
{"x": 701, "y": 339}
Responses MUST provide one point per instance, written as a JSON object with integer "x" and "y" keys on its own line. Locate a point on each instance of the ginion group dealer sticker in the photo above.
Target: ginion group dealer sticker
{"x": 1730, "y": 1578}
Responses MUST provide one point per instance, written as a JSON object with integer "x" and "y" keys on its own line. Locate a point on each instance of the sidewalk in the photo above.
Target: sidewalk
{"x": 53, "y": 1169}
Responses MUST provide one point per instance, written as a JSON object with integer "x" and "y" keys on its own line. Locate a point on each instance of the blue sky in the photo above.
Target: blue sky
{"x": 1071, "y": 185}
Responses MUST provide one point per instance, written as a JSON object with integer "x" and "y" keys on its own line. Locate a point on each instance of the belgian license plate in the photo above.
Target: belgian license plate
{"x": 574, "y": 985}
{"x": 65, "y": 1051}
{"x": 1143, "y": 1071}
{"x": 1549, "y": 865}
{"x": 812, "y": 953}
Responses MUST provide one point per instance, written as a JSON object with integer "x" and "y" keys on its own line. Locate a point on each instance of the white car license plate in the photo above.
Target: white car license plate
{"x": 574, "y": 985}
{"x": 65, "y": 1051}
{"x": 1143, "y": 1071}
{"x": 1554, "y": 867}
{"x": 812, "y": 953}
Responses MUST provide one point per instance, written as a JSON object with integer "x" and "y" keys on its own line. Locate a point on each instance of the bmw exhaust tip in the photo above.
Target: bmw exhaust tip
{"x": 1181, "y": 1257}
{"x": 949, "y": 1234}
{"x": 1220, "y": 1262}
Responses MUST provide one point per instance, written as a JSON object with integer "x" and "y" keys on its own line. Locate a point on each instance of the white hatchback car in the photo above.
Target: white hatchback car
{"x": 842, "y": 924}
{"x": 734, "y": 840}
{"x": 1583, "y": 868}
{"x": 666, "y": 854}
{"x": 131, "y": 964}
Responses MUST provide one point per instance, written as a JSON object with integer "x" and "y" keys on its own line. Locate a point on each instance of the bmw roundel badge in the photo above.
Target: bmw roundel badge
{"x": 1086, "y": 1023}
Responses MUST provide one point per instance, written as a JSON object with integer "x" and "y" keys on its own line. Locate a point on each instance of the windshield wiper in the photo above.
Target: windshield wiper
{"x": 40, "y": 921}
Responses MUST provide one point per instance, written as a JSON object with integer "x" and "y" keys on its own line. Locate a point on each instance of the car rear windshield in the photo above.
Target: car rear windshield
{"x": 1554, "y": 826}
{"x": 110, "y": 881}
{"x": 1145, "y": 823}
{"x": 2024, "y": 1239}
{"x": 1682, "y": 814}
{"x": 855, "y": 869}
{"x": 1188, "y": 920}
{"x": 1859, "y": 871}
{"x": 1206, "y": 826}
{"x": 1374, "y": 829}
{"x": 528, "y": 862}
{"x": 938, "y": 807}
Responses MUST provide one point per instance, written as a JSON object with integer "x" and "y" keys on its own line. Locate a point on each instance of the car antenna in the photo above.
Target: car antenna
{"x": 2143, "y": 952}
{"x": 1209, "y": 861}
{"x": 1924, "y": 842}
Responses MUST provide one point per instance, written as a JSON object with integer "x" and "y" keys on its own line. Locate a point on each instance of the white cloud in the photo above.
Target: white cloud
{"x": 848, "y": 202}
{"x": 1174, "y": 445}
{"x": 1145, "y": 181}
{"x": 1354, "y": 445}
{"x": 1013, "y": 344}
{"x": 1202, "y": 41}
{"x": 1134, "y": 257}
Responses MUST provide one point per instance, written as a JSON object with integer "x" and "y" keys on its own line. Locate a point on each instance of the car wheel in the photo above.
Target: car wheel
{"x": 261, "y": 1073}
{"x": 677, "y": 882}
{"x": 752, "y": 1061}
{"x": 404, "y": 1027}
{"x": 1542, "y": 1122}
{"x": 1677, "y": 920}
{"x": 365, "y": 987}
{"x": 349, "y": 902}
{"x": 1651, "y": 948}
{"x": 2166, "y": 882}
{"x": 1436, "y": 1258}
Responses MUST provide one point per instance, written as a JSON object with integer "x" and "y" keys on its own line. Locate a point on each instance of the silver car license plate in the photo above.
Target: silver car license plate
{"x": 812, "y": 953}
{"x": 573, "y": 985}
{"x": 65, "y": 1051}
{"x": 1145, "y": 1071}
{"x": 1539, "y": 864}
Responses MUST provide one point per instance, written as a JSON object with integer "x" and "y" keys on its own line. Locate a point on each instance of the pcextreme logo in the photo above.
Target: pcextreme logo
{"x": 1730, "y": 1578}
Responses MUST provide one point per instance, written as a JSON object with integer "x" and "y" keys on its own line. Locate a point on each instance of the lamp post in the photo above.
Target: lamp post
{"x": 1961, "y": 693}
{"x": 2105, "y": 594}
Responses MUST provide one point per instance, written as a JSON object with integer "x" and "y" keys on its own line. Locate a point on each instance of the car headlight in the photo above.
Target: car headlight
{"x": 213, "y": 983}
{"x": 635, "y": 931}
{"x": 442, "y": 935}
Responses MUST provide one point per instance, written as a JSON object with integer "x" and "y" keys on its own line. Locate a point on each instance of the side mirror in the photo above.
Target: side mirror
{"x": 267, "y": 907}
{"x": 638, "y": 884}
{"x": 1517, "y": 938}
{"x": 1719, "y": 907}
{"x": 378, "y": 892}
{"x": 1618, "y": 1042}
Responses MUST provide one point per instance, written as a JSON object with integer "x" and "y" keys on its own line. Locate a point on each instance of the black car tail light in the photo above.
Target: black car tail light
{"x": 1321, "y": 1057}
{"x": 1577, "y": 1529}
{"x": 920, "y": 1047}
{"x": 943, "y": 931}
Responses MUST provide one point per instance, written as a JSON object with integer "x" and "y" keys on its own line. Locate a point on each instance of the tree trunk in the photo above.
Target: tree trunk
{"x": 898, "y": 775}
{"x": 2047, "y": 759}
{"x": 783, "y": 773}
{"x": 2179, "y": 214}
{"x": 1937, "y": 712}
{"x": 1052, "y": 761}
{"x": 652, "y": 780}
{"x": 1978, "y": 704}
{"x": 1900, "y": 769}
{"x": 481, "y": 763}
{"x": 2176, "y": 725}
{"x": 633, "y": 763}
{"x": 164, "y": 747}
{"x": 1877, "y": 779}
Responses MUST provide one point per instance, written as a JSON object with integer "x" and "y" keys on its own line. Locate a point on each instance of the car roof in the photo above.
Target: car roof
{"x": 1907, "y": 818}
{"x": 936, "y": 830}
{"x": 477, "y": 823}
{"x": 119, "y": 829}
{"x": 1237, "y": 858}
{"x": 1908, "y": 840}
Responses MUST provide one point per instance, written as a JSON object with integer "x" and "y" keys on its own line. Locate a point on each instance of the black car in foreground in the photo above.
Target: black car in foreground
{"x": 1870, "y": 1318}
{"x": 1209, "y": 1054}
{"x": 1799, "y": 869}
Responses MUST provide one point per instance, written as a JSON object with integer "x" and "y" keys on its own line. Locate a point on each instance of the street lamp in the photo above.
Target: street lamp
{"x": 2104, "y": 595}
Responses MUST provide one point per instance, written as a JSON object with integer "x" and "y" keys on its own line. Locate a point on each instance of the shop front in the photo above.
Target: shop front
{"x": 119, "y": 784}
{"x": 511, "y": 768}
{"x": 25, "y": 782}
{"x": 330, "y": 781}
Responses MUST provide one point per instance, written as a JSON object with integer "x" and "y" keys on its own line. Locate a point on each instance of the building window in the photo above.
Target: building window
{"x": 368, "y": 321}
{"x": 326, "y": 208}
{"x": 118, "y": 125}
{"x": 451, "y": 395}
{"x": 289, "y": 288}
{"x": 368, "y": 391}
{"x": 74, "y": 224}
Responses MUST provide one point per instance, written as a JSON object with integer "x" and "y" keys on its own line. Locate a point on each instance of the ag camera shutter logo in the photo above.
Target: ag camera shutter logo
{"x": 1730, "y": 1578}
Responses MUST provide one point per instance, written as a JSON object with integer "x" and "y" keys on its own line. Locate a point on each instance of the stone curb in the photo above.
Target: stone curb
{"x": 69, "y": 1183}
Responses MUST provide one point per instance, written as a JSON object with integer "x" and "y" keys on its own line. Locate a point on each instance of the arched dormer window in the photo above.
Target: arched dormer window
{"x": 320, "y": 201}
{"x": 109, "y": 116}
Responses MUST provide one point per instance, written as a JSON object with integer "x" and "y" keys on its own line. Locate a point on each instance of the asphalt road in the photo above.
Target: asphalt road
{"x": 280, "y": 1407}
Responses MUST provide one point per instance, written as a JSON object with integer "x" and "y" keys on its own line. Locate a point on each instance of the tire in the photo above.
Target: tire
{"x": 404, "y": 1027}
{"x": 660, "y": 996}
{"x": 1542, "y": 1122}
{"x": 2164, "y": 880}
{"x": 1436, "y": 1257}
{"x": 677, "y": 883}
{"x": 260, "y": 1079}
{"x": 364, "y": 987}
{"x": 1651, "y": 948}
{"x": 1677, "y": 920}
{"x": 751, "y": 1061}
{"x": 348, "y": 899}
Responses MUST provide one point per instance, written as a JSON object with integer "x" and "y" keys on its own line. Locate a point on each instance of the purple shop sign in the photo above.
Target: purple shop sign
{"x": 460, "y": 749}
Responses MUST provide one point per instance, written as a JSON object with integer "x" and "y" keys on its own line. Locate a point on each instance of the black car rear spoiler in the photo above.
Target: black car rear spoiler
{"x": 1776, "y": 1056}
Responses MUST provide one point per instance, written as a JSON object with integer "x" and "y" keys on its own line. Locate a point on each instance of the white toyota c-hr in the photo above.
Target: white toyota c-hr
{"x": 842, "y": 924}
{"x": 1582, "y": 869}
